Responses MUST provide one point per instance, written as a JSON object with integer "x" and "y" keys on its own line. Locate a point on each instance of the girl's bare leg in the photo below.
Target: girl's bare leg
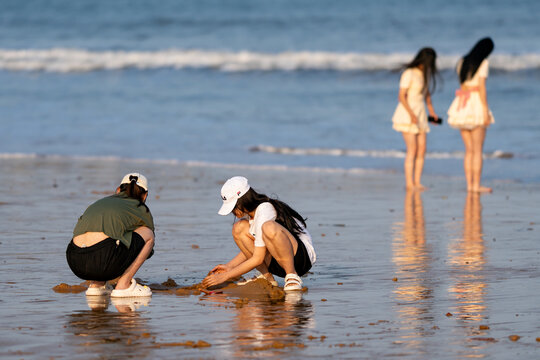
{"x": 408, "y": 166}
{"x": 244, "y": 241}
{"x": 125, "y": 280}
{"x": 280, "y": 244}
{"x": 468, "y": 158}
{"x": 419, "y": 162}
{"x": 478, "y": 137}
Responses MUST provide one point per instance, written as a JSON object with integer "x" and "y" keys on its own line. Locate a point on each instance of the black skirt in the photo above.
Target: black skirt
{"x": 106, "y": 260}
{"x": 302, "y": 263}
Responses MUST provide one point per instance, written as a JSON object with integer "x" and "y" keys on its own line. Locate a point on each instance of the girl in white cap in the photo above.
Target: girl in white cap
{"x": 272, "y": 238}
{"x": 112, "y": 239}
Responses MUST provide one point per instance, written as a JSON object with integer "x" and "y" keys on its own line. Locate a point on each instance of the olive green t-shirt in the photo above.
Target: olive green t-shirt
{"x": 116, "y": 216}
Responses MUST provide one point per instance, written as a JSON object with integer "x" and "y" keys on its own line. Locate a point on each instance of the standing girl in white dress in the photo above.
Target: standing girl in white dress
{"x": 415, "y": 87}
{"x": 470, "y": 112}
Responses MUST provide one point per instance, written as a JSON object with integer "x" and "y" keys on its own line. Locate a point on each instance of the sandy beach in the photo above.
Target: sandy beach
{"x": 439, "y": 274}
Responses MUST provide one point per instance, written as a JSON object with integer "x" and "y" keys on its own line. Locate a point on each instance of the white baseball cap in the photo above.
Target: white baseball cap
{"x": 232, "y": 190}
{"x": 139, "y": 178}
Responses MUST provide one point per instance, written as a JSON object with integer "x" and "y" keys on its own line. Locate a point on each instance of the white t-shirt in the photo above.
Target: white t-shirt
{"x": 413, "y": 80}
{"x": 266, "y": 212}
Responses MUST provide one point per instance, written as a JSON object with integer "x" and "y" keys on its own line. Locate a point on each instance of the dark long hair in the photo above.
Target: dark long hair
{"x": 471, "y": 61}
{"x": 286, "y": 216}
{"x": 134, "y": 191}
{"x": 426, "y": 57}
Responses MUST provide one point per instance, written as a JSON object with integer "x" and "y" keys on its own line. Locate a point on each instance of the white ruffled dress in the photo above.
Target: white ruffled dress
{"x": 466, "y": 111}
{"x": 412, "y": 79}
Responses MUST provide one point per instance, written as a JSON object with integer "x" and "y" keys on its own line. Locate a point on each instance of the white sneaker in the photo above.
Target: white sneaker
{"x": 134, "y": 290}
{"x": 99, "y": 291}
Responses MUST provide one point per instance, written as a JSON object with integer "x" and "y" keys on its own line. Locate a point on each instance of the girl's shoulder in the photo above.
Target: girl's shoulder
{"x": 411, "y": 70}
{"x": 412, "y": 73}
{"x": 265, "y": 210}
{"x": 406, "y": 78}
{"x": 407, "y": 71}
{"x": 483, "y": 69}
{"x": 265, "y": 207}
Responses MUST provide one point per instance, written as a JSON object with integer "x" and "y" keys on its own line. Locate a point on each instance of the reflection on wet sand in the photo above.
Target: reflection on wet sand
{"x": 411, "y": 256}
{"x": 120, "y": 334}
{"x": 466, "y": 260}
{"x": 272, "y": 326}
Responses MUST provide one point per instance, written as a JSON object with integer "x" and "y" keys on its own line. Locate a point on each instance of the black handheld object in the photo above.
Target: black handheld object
{"x": 434, "y": 120}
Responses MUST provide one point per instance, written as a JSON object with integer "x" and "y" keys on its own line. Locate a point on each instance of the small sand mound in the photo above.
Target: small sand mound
{"x": 256, "y": 289}
{"x": 165, "y": 286}
{"x": 169, "y": 283}
{"x": 259, "y": 289}
{"x": 189, "y": 290}
{"x": 66, "y": 288}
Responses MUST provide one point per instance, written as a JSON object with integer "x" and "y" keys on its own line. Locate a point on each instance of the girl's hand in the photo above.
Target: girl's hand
{"x": 487, "y": 119}
{"x": 221, "y": 268}
{"x": 414, "y": 119}
{"x": 214, "y": 279}
{"x": 436, "y": 118}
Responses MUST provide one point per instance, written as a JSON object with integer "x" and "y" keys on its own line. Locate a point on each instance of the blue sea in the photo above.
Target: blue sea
{"x": 310, "y": 84}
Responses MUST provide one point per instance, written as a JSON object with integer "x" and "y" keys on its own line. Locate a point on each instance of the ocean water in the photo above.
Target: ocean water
{"x": 243, "y": 82}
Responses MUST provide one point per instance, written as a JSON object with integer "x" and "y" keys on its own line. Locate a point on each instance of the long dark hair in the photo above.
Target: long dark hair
{"x": 286, "y": 216}
{"x": 134, "y": 191}
{"x": 426, "y": 57}
{"x": 471, "y": 61}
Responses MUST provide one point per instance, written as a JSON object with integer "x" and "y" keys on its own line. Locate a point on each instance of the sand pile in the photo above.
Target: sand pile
{"x": 256, "y": 289}
{"x": 259, "y": 289}
{"x": 72, "y": 289}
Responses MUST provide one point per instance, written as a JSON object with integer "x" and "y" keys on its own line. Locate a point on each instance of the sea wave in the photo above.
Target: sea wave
{"x": 498, "y": 154}
{"x": 189, "y": 163}
{"x": 270, "y": 167}
{"x": 36, "y": 156}
{"x": 63, "y": 60}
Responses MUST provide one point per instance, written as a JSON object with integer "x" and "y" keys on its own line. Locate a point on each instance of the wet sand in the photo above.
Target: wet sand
{"x": 439, "y": 274}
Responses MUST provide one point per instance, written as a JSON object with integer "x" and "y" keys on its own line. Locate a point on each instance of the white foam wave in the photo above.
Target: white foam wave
{"x": 30, "y": 156}
{"x": 8, "y": 156}
{"x": 80, "y": 60}
{"x": 313, "y": 169}
{"x": 498, "y": 154}
{"x": 189, "y": 163}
